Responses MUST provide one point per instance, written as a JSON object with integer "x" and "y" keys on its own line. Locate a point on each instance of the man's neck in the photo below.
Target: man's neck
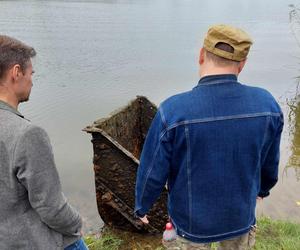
{"x": 9, "y": 100}
{"x": 207, "y": 71}
{"x": 215, "y": 72}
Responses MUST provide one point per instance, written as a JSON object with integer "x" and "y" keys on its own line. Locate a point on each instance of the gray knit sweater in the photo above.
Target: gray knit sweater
{"x": 34, "y": 214}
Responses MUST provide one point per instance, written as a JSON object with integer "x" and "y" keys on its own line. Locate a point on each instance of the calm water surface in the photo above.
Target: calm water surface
{"x": 94, "y": 56}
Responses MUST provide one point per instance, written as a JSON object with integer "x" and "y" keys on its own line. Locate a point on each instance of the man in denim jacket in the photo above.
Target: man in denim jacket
{"x": 216, "y": 147}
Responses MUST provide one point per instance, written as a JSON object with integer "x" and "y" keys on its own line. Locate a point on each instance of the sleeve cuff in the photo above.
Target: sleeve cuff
{"x": 263, "y": 194}
{"x": 139, "y": 214}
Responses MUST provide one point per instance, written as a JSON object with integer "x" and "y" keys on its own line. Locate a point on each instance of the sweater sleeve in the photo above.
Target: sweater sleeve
{"x": 35, "y": 169}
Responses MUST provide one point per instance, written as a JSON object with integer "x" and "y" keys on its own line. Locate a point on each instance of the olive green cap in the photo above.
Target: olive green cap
{"x": 238, "y": 39}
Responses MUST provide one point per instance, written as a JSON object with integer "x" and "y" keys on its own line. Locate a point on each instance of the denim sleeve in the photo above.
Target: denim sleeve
{"x": 36, "y": 171}
{"x": 269, "y": 170}
{"x": 154, "y": 165}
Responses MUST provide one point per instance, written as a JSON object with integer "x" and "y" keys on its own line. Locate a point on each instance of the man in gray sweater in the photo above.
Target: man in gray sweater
{"x": 34, "y": 214}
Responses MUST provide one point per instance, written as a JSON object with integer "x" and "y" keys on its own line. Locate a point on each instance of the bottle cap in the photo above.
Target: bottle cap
{"x": 169, "y": 226}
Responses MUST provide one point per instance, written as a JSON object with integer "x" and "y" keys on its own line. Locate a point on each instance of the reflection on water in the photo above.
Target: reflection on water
{"x": 294, "y": 104}
{"x": 283, "y": 203}
{"x": 294, "y": 130}
{"x": 295, "y": 22}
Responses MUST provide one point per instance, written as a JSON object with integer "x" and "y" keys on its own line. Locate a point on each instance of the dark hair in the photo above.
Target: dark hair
{"x": 12, "y": 52}
{"x": 221, "y": 61}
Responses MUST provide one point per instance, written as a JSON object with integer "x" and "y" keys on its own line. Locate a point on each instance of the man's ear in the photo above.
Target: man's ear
{"x": 241, "y": 65}
{"x": 201, "y": 56}
{"x": 16, "y": 72}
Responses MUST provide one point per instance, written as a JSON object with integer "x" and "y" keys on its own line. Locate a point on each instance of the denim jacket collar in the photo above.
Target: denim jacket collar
{"x": 216, "y": 79}
{"x": 5, "y": 106}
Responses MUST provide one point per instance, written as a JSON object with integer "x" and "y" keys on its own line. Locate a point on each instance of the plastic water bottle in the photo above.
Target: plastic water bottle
{"x": 169, "y": 235}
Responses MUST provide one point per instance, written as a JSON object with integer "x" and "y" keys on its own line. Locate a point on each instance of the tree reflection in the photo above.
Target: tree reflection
{"x": 294, "y": 103}
{"x": 294, "y": 131}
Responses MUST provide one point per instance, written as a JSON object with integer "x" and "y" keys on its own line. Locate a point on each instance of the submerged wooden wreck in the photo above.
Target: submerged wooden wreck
{"x": 117, "y": 143}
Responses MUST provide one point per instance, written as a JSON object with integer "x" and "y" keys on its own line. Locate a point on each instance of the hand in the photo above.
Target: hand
{"x": 144, "y": 219}
{"x": 259, "y": 198}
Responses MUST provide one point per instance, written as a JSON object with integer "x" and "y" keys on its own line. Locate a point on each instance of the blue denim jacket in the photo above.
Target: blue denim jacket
{"x": 217, "y": 147}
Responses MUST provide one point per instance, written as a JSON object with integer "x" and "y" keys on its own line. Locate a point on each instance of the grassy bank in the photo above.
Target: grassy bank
{"x": 279, "y": 235}
{"x": 271, "y": 235}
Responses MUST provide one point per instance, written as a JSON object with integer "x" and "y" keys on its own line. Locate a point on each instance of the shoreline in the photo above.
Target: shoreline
{"x": 270, "y": 234}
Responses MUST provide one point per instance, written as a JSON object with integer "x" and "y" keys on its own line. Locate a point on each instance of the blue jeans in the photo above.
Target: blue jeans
{"x": 78, "y": 245}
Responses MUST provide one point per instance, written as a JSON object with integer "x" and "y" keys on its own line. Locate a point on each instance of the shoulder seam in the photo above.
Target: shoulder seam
{"x": 219, "y": 118}
{"x": 162, "y": 116}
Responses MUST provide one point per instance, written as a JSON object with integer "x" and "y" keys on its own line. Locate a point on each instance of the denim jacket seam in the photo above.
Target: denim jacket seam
{"x": 220, "y": 118}
{"x": 188, "y": 166}
{"x": 215, "y": 235}
{"x": 153, "y": 159}
{"x": 217, "y": 82}
{"x": 150, "y": 169}
{"x": 282, "y": 117}
{"x": 263, "y": 160}
{"x": 265, "y": 133}
{"x": 163, "y": 118}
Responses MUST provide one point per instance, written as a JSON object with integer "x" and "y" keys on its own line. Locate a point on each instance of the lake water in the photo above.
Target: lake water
{"x": 94, "y": 56}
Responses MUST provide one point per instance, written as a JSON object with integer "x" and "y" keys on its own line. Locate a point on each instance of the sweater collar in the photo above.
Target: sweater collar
{"x": 6, "y": 106}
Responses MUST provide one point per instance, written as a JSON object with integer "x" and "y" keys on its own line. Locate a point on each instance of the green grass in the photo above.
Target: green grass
{"x": 271, "y": 235}
{"x": 279, "y": 235}
{"x": 106, "y": 242}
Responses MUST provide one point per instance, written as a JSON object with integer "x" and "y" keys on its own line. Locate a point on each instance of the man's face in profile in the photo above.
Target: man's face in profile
{"x": 25, "y": 83}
